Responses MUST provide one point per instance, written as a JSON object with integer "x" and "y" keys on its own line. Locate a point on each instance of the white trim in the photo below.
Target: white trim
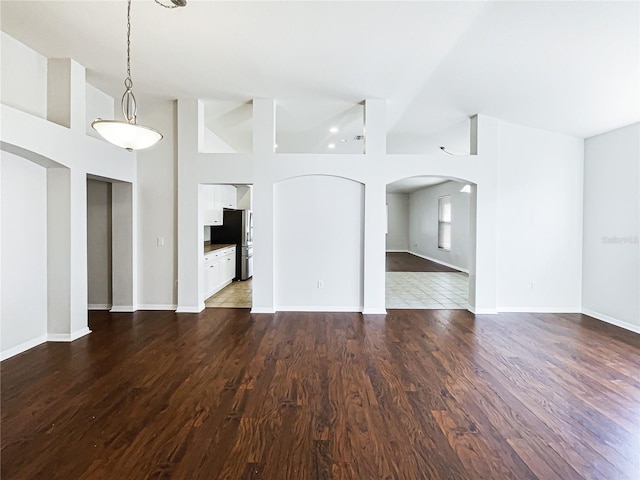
{"x": 374, "y": 311}
{"x": 539, "y": 309}
{"x": 122, "y": 309}
{"x": 262, "y": 310}
{"x": 99, "y": 306}
{"x": 23, "y": 347}
{"x": 68, "y": 337}
{"x": 397, "y": 251}
{"x": 306, "y": 308}
{"x": 482, "y": 311}
{"x": 189, "y": 309}
{"x": 611, "y": 320}
{"x": 450, "y": 265}
{"x": 157, "y": 307}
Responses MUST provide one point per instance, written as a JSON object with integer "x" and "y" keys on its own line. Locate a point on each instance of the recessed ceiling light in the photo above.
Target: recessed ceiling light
{"x": 331, "y": 146}
{"x": 333, "y": 129}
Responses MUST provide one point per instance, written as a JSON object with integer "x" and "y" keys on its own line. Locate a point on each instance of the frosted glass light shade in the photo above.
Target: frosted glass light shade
{"x": 126, "y": 135}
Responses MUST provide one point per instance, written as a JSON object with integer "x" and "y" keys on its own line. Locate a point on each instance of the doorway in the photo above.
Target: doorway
{"x": 99, "y": 245}
{"x": 228, "y": 245}
{"x": 428, "y": 244}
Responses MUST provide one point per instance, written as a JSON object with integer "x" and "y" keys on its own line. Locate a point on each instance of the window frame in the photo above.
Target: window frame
{"x": 444, "y": 224}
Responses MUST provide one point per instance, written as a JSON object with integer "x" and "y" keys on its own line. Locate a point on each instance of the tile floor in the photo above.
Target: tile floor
{"x": 234, "y": 295}
{"x": 427, "y": 290}
{"x": 414, "y": 290}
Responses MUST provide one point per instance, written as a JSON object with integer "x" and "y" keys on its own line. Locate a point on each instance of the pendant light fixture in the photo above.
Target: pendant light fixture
{"x": 128, "y": 134}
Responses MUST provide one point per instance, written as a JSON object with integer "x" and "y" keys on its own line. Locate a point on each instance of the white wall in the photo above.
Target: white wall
{"x": 423, "y": 224}
{"x": 398, "y": 222}
{"x": 99, "y": 105}
{"x": 157, "y": 211}
{"x": 24, "y": 254}
{"x": 318, "y": 237}
{"x": 58, "y": 142}
{"x": 539, "y": 220}
{"x": 611, "y": 259}
{"x": 99, "y": 244}
{"x": 24, "y": 77}
{"x": 456, "y": 139}
{"x": 214, "y": 144}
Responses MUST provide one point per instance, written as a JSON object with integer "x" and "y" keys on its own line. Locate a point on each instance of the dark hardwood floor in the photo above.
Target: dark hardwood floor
{"x": 405, "y": 262}
{"x": 435, "y": 394}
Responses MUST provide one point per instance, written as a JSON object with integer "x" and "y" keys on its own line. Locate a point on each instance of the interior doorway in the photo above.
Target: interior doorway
{"x": 99, "y": 245}
{"x": 428, "y": 244}
{"x": 228, "y": 245}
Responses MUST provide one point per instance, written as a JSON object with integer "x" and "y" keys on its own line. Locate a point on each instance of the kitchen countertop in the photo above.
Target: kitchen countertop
{"x": 208, "y": 247}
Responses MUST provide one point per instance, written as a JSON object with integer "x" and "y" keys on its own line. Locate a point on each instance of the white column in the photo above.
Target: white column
{"x": 58, "y": 253}
{"x": 374, "y": 248}
{"x": 190, "y": 236}
{"x": 264, "y": 131}
{"x": 483, "y": 278}
{"x": 264, "y": 125}
{"x": 375, "y": 127}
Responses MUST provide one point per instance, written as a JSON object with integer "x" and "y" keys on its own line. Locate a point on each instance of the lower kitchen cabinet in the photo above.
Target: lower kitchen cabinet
{"x": 219, "y": 270}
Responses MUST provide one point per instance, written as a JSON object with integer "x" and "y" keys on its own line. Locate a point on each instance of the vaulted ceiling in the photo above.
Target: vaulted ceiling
{"x": 569, "y": 67}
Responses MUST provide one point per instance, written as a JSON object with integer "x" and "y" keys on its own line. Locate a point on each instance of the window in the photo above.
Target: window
{"x": 444, "y": 223}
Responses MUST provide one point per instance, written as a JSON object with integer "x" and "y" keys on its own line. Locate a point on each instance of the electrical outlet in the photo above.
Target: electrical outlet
{"x": 160, "y": 241}
{"x": 533, "y": 285}
{"x": 320, "y": 284}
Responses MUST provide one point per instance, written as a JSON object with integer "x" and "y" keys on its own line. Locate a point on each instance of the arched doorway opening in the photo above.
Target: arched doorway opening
{"x": 430, "y": 243}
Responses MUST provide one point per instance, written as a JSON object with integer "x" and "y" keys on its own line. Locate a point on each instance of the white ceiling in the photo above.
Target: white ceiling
{"x": 569, "y": 67}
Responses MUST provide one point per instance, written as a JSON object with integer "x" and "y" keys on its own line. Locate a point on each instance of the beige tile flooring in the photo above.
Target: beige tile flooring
{"x": 427, "y": 290}
{"x": 234, "y": 295}
{"x": 414, "y": 290}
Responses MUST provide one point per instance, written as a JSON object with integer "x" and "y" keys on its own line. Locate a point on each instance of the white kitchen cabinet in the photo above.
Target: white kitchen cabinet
{"x": 228, "y": 195}
{"x": 213, "y": 199}
{"x": 228, "y": 265}
{"x": 211, "y": 204}
{"x": 211, "y": 278}
{"x": 219, "y": 270}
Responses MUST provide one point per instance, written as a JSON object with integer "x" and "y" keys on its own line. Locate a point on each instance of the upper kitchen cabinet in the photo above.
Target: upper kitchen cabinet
{"x": 215, "y": 198}
{"x": 229, "y": 196}
{"x": 211, "y": 204}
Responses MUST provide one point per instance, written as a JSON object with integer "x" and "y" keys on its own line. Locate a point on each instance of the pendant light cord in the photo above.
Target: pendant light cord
{"x": 129, "y": 46}
{"x": 129, "y": 106}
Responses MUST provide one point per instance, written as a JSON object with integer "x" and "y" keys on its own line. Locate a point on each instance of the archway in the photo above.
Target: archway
{"x": 430, "y": 243}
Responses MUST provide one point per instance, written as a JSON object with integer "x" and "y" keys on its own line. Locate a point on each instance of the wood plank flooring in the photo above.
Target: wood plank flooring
{"x": 405, "y": 262}
{"x": 435, "y": 394}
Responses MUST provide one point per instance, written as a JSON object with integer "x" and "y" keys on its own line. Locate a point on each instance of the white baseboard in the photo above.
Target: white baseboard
{"x": 23, "y": 347}
{"x": 157, "y": 307}
{"x": 435, "y": 260}
{"x": 398, "y": 251}
{"x": 539, "y": 309}
{"x": 189, "y": 309}
{"x": 263, "y": 310}
{"x": 611, "y": 320}
{"x": 304, "y": 308}
{"x": 374, "y": 311}
{"x": 482, "y": 311}
{"x": 122, "y": 309}
{"x": 68, "y": 337}
{"x": 99, "y": 306}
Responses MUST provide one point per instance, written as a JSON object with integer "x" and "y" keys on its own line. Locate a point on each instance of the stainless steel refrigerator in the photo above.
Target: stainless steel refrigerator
{"x": 237, "y": 228}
